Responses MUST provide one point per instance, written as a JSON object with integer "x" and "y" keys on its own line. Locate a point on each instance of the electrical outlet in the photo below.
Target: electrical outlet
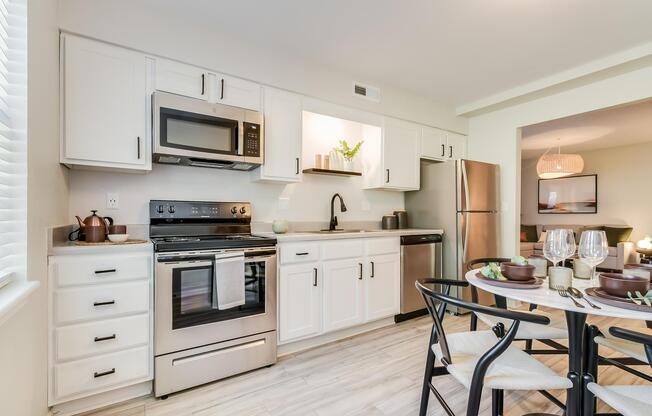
{"x": 112, "y": 200}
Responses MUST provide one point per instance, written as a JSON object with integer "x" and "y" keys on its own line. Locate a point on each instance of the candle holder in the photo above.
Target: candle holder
{"x": 560, "y": 277}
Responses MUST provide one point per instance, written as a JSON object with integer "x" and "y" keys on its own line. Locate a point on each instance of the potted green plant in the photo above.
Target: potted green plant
{"x": 347, "y": 154}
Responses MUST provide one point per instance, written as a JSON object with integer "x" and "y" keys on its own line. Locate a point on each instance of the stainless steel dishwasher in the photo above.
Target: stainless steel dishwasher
{"x": 420, "y": 258}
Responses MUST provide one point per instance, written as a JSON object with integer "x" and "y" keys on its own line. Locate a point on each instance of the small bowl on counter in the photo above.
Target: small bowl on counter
{"x": 618, "y": 284}
{"x": 118, "y": 238}
{"x": 513, "y": 271}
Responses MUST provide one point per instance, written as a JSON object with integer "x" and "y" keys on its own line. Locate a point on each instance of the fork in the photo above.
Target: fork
{"x": 563, "y": 292}
{"x": 576, "y": 293}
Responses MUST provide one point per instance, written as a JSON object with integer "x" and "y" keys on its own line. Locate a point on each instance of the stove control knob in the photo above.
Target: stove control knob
{"x": 171, "y": 209}
{"x": 234, "y": 210}
{"x": 243, "y": 210}
{"x": 159, "y": 209}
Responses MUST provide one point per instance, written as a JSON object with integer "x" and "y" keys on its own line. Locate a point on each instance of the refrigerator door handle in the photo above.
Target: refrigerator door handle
{"x": 465, "y": 237}
{"x": 465, "y": 187}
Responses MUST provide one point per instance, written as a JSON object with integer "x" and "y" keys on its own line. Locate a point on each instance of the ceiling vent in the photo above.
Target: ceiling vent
{"x": 366, "y": 91}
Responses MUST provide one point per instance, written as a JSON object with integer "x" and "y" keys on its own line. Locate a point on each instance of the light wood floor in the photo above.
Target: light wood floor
{"x": 378, "y": 373}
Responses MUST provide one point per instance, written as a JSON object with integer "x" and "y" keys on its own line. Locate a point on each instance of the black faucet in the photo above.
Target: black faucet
{"x": 333, "y": 222}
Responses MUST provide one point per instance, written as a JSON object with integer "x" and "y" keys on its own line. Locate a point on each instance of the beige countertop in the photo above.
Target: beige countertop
{"x": 58, "y": 244}
{"x": 308, "y": 236}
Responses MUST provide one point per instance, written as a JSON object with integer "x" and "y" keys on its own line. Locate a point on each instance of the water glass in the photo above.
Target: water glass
{"x": 593, "y": 249}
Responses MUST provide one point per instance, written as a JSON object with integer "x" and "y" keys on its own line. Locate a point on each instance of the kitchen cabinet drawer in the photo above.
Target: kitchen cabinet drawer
{"x": 299, "y": 252}
{"x": 101, "y": 337}
{"x": 100, "y": 302}
{"x": 341, "y": 249}
{"x": 80, "y": 270}
{"x": 96, "y": 374}
{"x": 374, "y": 246}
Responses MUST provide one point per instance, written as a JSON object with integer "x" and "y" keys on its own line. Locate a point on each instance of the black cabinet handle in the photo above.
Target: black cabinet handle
{"x": 104, "y": 373}
{"x": 314, "y": 280}
{"x": 100, "y": 339}
{"x": 203, "y": 83}
{"x": 302, "y": 254}
{"x": 105, "y": 271}
{"x": 373, "y": 269}
{"x": 360, "y": 276}
{"x": 138, "y": 144}
{"x": 387, "y": 181}
{"x": 450, "y": 151}
{"x": 109, "y": 302}
{"x": 443, "y": 150}
{"x": 297, "y": 166}
{"x": 222, "y": 89}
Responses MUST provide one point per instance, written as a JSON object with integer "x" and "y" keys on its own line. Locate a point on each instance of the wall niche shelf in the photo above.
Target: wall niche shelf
{"x": 315, "y": 171}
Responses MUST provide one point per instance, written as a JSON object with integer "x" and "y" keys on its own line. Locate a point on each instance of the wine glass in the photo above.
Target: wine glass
{"x": 559, "y": 245}
{"x": 593, "y": 249}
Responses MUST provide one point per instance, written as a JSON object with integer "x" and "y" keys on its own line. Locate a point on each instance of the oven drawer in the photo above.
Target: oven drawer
{"x": 100, "y": 302}
{"x": 101, "y": 337}
{"x": 201, "y": 365}
{"x": 97, "y": 374}
{"x": 299, "y": 252}
{"x": 81, "y": 270}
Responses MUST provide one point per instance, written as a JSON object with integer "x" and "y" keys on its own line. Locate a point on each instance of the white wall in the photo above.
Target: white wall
{"x": 622, "y": 198}
{"x": 494, "y": 137}
{"x": 23, "y": 342}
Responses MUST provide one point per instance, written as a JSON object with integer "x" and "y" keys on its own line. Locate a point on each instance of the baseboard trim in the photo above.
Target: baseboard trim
{"x": 306, "y": 344}
{"x": 98, "y": 401}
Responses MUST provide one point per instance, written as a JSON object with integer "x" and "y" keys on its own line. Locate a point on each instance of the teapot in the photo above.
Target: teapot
{"x": 93, "y": 228}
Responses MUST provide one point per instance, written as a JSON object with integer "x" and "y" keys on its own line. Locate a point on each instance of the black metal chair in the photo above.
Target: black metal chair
{"x": 479, "y": 359}
{"x": 528, "y": 332}
{"x": 630, "y": 400}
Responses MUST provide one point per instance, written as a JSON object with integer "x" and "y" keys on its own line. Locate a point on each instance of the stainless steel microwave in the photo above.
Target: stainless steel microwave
{"x": 192, "y": 132}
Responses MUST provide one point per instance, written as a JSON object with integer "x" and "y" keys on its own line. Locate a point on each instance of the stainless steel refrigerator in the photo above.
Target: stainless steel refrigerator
{"x": 459, "y": 196}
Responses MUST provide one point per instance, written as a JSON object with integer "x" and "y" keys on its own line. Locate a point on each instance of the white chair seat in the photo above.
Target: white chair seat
{"x": 628, "y": 400}
{"x": 631, "y": 349}
{"x": 555, "y": 330}
{"x": 512, "y": 370}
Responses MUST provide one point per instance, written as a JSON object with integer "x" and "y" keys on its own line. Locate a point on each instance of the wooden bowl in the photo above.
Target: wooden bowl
{"x": 513, "y": 271}
{"x": 617, "y": 284}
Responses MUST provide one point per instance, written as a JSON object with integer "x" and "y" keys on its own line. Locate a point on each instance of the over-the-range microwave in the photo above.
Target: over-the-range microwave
{"x": 192, "y": 132}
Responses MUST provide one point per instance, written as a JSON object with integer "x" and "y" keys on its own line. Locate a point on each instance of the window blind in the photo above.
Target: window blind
{"x": 13, "y": 139}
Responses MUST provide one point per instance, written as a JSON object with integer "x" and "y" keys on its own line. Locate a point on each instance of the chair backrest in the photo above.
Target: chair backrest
{"x": 483, "y": 261}
{"x": 436, "y": 304}
{"x": 633, "y": 336}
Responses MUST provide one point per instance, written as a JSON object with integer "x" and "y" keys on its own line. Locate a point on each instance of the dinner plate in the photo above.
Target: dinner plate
{"x": 533, "y": 283}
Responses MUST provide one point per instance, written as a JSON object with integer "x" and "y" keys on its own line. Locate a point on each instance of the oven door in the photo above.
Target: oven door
{"x": 187, "y": 313}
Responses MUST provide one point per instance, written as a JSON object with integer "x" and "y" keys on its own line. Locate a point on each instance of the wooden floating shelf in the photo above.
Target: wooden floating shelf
{"x": 315, "y": 171}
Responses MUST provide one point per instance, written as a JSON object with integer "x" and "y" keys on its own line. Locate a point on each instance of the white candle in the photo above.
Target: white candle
{"x": 560, "y": 276}
{"x": 581, "y": 269}
{"x": 540, "y": 265}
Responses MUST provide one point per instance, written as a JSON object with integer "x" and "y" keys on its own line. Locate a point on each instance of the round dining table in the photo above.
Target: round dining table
{"x": 576, "y": 322}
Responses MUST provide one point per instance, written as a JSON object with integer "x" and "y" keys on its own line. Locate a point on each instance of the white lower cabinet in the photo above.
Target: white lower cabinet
{"x": 382, "y": 287}
{"x": 100, "y": 326}
{"x": 344, "y": 283}
{"x": 300, "y": 316}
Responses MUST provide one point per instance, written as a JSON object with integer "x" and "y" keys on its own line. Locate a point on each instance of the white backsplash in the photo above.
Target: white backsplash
{"x": 307, "y": 201}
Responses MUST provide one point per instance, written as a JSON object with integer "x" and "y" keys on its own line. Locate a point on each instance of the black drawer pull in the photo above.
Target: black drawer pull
{"x": 373, "y": 269}
{"x": 100, "y": 339}
{"x": 302, "y": 254}
{"x": 109, "y": 302}
{"x": 360, "y": 276}
{"x": 314, "y": 281}
{"x": 104, "y": 373}
{"x": 105, "y": 271}
{"x": 450, "y": 151}
{"x": 443, "y": 150}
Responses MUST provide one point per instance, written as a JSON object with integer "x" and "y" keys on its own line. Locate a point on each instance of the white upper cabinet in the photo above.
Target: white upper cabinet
{"x": 104, "y": 105}
{"x": 438, "y": 144}
{"x": 397, "y": 160}
{"x": 282, "y": 138}
{"x": 456, "y": 144}
{"x": 182, "y": 79}
{"x": 238, "y": 92}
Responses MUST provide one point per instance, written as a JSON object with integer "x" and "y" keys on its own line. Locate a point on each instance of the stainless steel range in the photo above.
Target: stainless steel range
{"x": 215, "y": 293}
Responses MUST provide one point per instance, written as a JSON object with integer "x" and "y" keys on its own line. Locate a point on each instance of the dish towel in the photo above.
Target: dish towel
{"x": 229, "y": 279}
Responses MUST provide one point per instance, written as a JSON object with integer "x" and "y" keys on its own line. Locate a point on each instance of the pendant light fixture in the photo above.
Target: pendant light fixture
{"x": 558, "y": 165}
